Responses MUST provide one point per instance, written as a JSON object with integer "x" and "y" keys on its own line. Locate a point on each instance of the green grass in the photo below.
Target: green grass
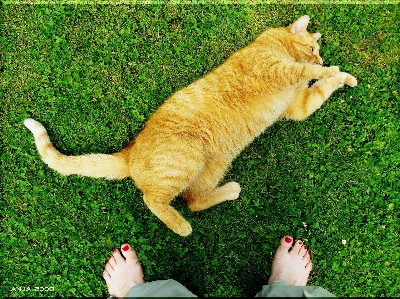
{"x": 94, "y": 74}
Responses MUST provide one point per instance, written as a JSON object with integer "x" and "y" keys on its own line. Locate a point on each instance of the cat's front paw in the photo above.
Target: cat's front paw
{"x": 350, "y": 80}
{"x": 332, "y": 71}
{"x": 347, "y": 79}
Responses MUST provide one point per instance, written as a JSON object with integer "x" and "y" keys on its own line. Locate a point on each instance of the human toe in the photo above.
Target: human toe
{"x": 109, "y": 268}
{"x": 128, "y": 252}
{"x": 297, "y": 246}
{"x": 307, "y": 257}
{"x": 286, "y": 243}
{"x": 303, "y": 250}
{"x": 285, "y": 246}
{"x": 106, "y": 276}
{"x": 116, "y": 257}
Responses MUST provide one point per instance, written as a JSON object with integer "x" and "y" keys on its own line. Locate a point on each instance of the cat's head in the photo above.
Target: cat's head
{"x": 302, "y": 45}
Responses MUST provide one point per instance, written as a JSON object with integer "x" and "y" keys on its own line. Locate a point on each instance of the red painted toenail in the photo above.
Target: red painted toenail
{"x": 305, "y": 247}
{"x": 300, "y": 242}
{"x": 115, "y": 250}
{"x": 125, "y": 248}
{"x": 288, "y": 240}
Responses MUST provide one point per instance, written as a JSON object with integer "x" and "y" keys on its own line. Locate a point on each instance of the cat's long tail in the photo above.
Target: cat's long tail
{"x": 112, "y": 166}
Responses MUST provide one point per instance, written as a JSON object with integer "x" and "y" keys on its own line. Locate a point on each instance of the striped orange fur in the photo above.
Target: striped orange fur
{"x": 190, "y": 141}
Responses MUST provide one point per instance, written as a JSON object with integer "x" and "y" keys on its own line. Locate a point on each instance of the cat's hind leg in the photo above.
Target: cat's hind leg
{"x": 160, "y": 189}
{"x": 159, "y": 205}
{"x": 203, "y": 193}
{"x": 165, "y": 171}
{"x": 308, "y": 100}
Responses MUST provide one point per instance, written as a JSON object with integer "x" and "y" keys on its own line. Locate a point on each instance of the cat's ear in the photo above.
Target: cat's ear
{"x": 300, "y": 25}
{"x": 316, "y": 36}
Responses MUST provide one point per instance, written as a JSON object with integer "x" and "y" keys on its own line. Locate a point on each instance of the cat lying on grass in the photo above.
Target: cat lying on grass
{"x": 189, "y": 142}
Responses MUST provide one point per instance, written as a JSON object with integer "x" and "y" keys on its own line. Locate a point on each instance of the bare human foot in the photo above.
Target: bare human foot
{"x": 123, "y": 271}
{"x": 292, "y": 264}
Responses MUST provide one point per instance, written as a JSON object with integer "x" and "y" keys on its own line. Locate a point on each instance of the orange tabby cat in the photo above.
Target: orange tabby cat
{"x": 190, "y": 141}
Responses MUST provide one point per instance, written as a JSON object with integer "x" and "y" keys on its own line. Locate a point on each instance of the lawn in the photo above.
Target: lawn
{"x": 94, "y": 74}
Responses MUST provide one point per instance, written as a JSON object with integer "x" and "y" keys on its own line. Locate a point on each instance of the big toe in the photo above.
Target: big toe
{"x": 286, "y": 244}
{"x": 128, "y": 252}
